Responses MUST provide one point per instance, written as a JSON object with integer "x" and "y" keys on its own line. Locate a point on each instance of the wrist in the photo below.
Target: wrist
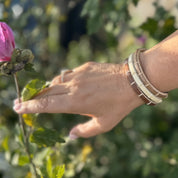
{"x": 160, "y": 64}
{"x": 152, "y": 69}
{"x": 140, "y": 83}
{"x": 131, "y": 94}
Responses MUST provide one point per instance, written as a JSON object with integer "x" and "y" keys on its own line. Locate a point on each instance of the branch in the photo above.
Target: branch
{"x": 22, "y": 126}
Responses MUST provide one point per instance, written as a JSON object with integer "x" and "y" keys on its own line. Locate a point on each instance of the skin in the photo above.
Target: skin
{"x": 102, "y": 90}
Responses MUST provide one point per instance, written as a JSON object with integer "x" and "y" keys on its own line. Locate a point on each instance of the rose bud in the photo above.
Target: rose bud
{"x": 7, "y": 42}
{"x": 16, "y": 55}
{"x": 26, "y": 56}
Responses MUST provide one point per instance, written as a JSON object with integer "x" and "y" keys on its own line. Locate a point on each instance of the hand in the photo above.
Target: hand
{"x": 98, "y": 90}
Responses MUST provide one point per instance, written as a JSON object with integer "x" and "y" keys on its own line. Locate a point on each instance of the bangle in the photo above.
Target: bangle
{"x": 140, "y": 83}
{"x": 135, "y": 87}
{"x": 143, "y": 77}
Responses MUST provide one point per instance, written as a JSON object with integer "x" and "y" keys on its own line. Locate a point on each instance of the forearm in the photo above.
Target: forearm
{"x": 160, "y": 63}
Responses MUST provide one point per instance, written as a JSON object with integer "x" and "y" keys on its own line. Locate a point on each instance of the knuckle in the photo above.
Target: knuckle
{"x": 74, "y": 83}
{"x": 89, "y": 65}
{"x": 56, "y": 80}
{"x": 75, "y": 86}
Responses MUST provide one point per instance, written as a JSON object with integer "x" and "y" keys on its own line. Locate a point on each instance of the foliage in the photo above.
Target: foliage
{"x": 144, "y": 144}
{"x": 33, "y": 88}
{"x": 45, "y": 137}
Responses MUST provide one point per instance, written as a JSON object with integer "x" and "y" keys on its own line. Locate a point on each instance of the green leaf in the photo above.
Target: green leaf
{"x": 44, "y": 137}
{"x": 150, "y": 25}
{"x": 169, "y": 26}
{"x": 49, "y": 167}
{"x": 33, "y": 88}
{"x": 30, "y": 119}
{"x": 29, "y": 67}
{"x": 23, "y": 160}
{"x": 90, "y": 8}
{"x": 43, "y": 172}
{"x": 94, "y": 24}
{"x": 95, "y": 20}
{"x": 58, "y": 171}
{"x": 5, "y": 143}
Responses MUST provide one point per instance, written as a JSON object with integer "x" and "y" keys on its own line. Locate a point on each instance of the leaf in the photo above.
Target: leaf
{"x": 23, "y": 160}
{"x": 94, "y": 24}
{"x": 58, "y": 171}
{"x": 5, "y": 143}
{"x": 33, "y": 88}
{"x": 147, "y": 168}
{"x": 49, "y": 167}
{"x": 30, "y": 119}
{"x": 43, "y": 172}
{"x": 90, "y": 8}
{"x": 95, "y": 20}
{"x": 44, "y": 137}
{"x": 150, "y": 25}
{"x": 29, "y": 67}
{"x": 169, "y": 26}
{"x": 29, "y": 175}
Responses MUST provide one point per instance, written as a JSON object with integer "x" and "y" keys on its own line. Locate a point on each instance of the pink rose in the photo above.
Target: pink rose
{"x": 7, "y": 42}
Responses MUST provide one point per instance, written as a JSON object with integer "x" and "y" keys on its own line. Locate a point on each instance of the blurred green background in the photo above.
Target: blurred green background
{"x": 68, "y": 33}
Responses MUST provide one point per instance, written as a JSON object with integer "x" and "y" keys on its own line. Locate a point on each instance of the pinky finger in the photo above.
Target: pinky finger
{"x": 88, "y": 129}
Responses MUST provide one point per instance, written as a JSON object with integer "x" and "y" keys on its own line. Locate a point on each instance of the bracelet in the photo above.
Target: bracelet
{"x": 135, "y": 87}
{"x": 140, "y": 83}
{"x": 143, "y": 77}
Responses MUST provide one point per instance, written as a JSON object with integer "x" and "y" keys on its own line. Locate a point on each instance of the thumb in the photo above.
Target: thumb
{"x": 88, "y": 129}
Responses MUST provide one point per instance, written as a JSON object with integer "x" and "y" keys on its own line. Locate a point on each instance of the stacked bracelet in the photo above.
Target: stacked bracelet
{"x": 138, "y": 80}
{"x": 144, "y": 79}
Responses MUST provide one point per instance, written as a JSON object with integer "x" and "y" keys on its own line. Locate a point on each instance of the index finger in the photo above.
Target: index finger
{"x": 46, "y": 104}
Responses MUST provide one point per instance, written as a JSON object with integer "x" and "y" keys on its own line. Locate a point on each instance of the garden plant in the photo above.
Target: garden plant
{"x": 52, "y": 35}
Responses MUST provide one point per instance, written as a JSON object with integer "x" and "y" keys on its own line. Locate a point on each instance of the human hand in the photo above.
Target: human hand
{"x": 98, "y": 90}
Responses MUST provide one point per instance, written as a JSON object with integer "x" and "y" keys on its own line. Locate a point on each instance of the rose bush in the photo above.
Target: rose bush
{"x": 13, "y": 61}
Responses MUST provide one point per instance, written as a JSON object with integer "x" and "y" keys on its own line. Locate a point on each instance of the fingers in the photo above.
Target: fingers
{"x": 53, "y": 90}
{"x": 16, "y": 101}
{"x": 88, "y": 129}
{"x": 47, "y": 104}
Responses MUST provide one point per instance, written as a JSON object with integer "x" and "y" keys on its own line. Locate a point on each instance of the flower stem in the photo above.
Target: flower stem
{"x": 22, "y": 126}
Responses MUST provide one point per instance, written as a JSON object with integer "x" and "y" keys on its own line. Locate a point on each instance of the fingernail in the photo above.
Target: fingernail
{"x": 17, "y": 107}
{"x": 73, "y": 136}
